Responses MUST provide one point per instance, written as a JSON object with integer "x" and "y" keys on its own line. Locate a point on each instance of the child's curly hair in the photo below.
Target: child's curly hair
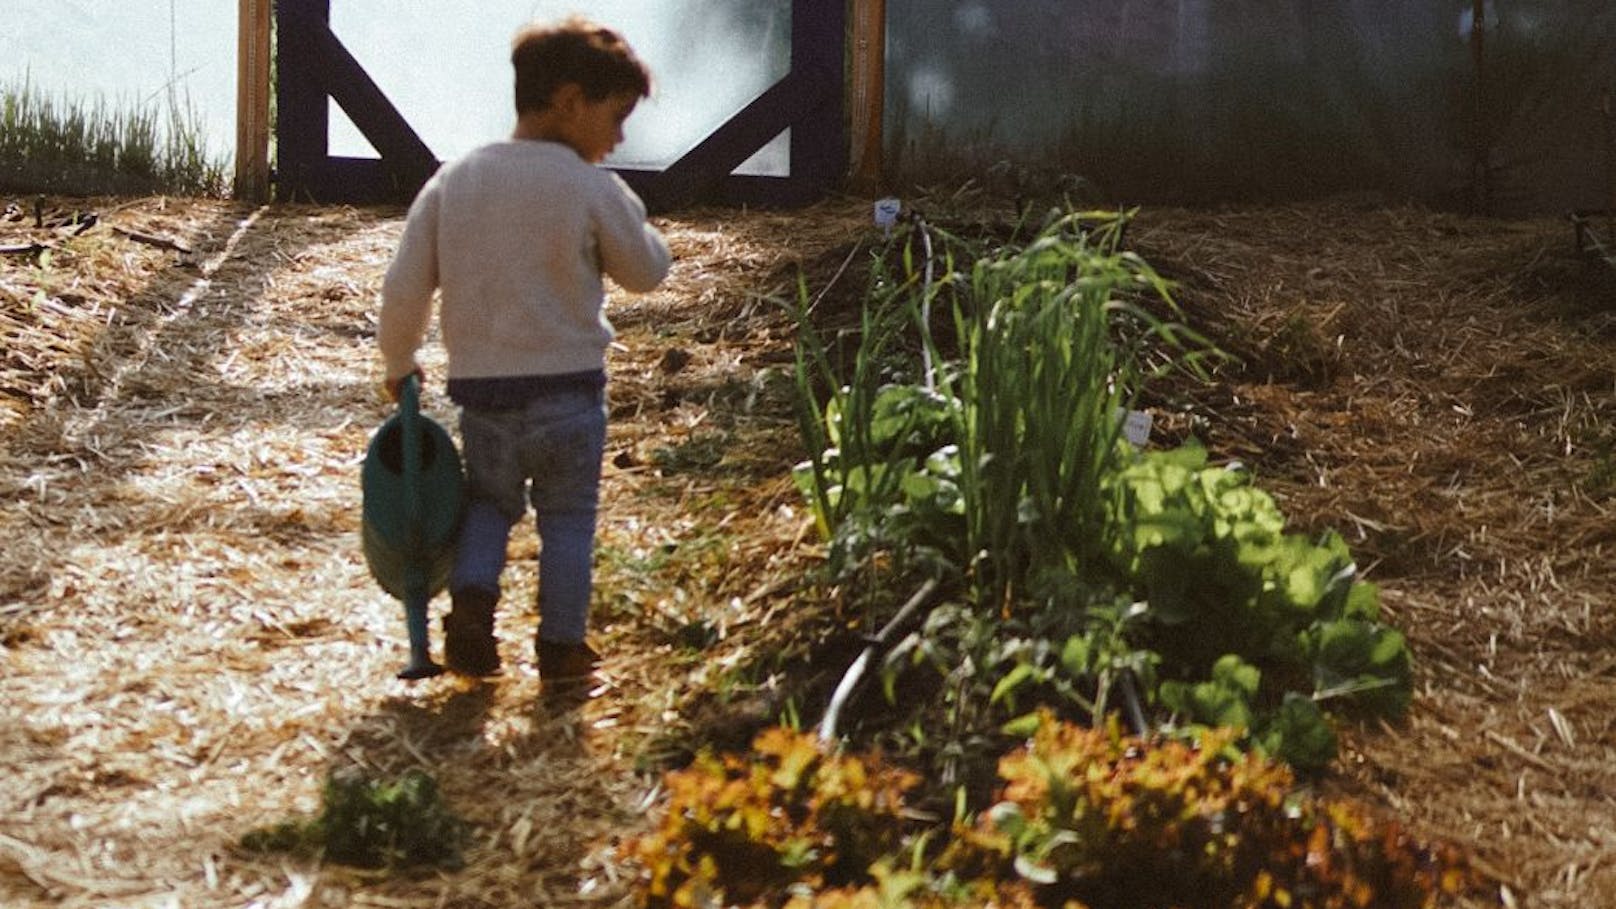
{"x": 547, "y": 56}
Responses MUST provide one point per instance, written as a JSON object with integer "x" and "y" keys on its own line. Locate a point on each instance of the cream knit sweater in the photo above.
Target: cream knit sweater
{"x": 517, "y": 236}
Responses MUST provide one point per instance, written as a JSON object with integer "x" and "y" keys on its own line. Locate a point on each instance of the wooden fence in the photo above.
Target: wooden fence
{"x": 313, "y": 68}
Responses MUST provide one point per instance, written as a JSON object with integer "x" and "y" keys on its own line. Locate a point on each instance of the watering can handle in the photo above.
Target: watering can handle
{"x": 409, "y": 412}
{"x": 415, "y": 595}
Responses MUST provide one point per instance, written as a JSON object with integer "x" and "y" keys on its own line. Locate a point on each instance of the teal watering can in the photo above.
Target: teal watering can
{"x": 414, "y": 494}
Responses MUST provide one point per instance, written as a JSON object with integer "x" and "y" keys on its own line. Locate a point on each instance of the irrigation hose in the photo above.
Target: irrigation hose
{"x": 1130, "y": 703}
{"x": 925, "y": 305}
{"x": 876, "y": 644}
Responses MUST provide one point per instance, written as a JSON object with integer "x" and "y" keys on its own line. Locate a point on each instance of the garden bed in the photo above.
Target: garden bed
{"x": 193, "y": 642}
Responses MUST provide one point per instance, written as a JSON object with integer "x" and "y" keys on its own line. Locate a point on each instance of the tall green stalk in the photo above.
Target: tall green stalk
{"x": 856, "y": 461}
{"x": 1047, "y": 372}
{"x": 995, "y": 457}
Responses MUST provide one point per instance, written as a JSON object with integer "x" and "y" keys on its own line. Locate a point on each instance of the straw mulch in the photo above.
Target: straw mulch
{"x": 1440, "y": 390}
{"x": 192, "y": 642}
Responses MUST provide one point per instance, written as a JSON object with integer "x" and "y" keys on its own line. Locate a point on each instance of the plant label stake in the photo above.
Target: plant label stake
{"x": 414, "y": 494}
{"x": 886, "y": 214}
{"x": 1136, "y": 426}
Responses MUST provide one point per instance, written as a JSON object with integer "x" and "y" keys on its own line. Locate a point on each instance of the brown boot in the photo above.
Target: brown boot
{"x": 568, "y": 664}
{"x": 469, "y": 645}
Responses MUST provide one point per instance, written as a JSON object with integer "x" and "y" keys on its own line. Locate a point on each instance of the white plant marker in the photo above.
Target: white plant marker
{"x": 886, "y": 214}
{"x": 1136, "y": 426}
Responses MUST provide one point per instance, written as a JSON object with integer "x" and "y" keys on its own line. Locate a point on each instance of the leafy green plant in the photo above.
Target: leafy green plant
{"x": 701, "y": 451}
{"x": 737, "y": 828}
{"x": 1091, "y": 577}
{"x": 1112, "y": 821}
{"x": 991, "y": 462}
{"x": 1246, "y": 616}
{"x": 1601, "y": 479}
{"x": 372, "y": 823}
{"x": 1084, "y": 819}
{"x": 863, "y": 432}
{"x": 987, "y": 673}
{"x": 1048, "y": 347}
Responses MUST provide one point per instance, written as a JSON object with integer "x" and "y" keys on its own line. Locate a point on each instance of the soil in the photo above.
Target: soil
{"x": 193, "y": 643}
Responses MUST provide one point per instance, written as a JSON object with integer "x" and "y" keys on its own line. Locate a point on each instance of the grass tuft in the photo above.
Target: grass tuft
{"x": 372, "y": 823}
{"x": 69, "y": 146}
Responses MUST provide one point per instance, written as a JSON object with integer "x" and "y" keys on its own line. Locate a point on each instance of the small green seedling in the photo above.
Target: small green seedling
{"x": 372, "y": 823}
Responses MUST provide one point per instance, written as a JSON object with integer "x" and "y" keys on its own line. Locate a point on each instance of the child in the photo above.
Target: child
{"x": 516, "y": 236}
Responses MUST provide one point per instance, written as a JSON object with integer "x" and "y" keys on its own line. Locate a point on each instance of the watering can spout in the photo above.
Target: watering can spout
{"x": 421, "y": 665}
{"x": 414, "y": 494}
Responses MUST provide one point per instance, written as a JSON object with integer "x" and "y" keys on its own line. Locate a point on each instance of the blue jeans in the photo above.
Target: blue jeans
{"x": 547, "y": 453}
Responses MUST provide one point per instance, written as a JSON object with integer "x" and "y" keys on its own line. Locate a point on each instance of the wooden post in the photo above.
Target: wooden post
{"x": 868, "y": 100}
{"x": 1607, "y": 107}
{"x": 252, "y": 100}
{"x": 1480, "y": 164}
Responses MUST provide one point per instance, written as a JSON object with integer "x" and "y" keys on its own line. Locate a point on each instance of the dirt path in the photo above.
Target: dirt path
{"x": 192, "y": 642}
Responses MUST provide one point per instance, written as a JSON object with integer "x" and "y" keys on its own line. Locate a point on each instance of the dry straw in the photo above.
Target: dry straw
{"x": 191, "y": 642}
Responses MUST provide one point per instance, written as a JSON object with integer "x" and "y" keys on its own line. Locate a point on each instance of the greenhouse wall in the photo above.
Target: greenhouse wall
{"x": 1209, "y": 101}
{"x": 1145, "y": 101}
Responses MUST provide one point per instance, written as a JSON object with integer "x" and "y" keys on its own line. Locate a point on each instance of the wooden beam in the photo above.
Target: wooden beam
{"x": 314, "y": 69}
{"x": 302, "y": 108}
{"x": 868, "y": 101}
{"x": 699, "y": 171}
{"x": 808, "y": 101}
{"x": 819, "y": 132}
{"x": 346, "y": 82}
{"x": 252, "y": 100}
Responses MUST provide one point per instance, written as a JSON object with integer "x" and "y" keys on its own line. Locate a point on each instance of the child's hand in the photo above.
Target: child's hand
{"x": 395, "y": 387}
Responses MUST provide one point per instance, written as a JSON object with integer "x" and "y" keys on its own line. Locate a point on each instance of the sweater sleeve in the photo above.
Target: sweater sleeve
{"x": 408, "y": 287}
{"x": 632, "y": 252}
